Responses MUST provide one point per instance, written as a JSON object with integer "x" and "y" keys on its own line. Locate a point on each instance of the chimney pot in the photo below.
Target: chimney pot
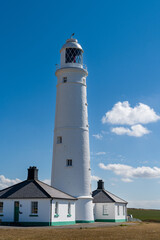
{"x": 32, "y": 173}
{"x": 100, "y": 184}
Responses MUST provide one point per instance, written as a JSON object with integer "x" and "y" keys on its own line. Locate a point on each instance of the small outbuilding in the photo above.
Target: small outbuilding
{"x": 33, "y": 202}
{"x": 107, "y": 206}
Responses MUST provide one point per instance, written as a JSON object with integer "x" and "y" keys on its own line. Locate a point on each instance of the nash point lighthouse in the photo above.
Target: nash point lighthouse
{"x": 71, "y": 171}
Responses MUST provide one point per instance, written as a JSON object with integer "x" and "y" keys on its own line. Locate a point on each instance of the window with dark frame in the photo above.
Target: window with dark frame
{"x": 59, "y": 139}
{"x": 1, "y": 207}
{"x": 64, "y": 79}
{"x": 69, "y": 162}
{"x": 34, "y": 207}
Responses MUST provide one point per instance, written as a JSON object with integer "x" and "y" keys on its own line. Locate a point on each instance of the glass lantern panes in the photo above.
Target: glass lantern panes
{"x": 73, "y": 55}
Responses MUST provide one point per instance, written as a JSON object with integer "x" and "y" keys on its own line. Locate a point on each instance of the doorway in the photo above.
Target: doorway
{"x": 16, "y": 211}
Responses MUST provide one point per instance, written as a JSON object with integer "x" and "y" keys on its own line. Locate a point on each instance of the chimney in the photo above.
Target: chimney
{"x": 100, "y": 184}
{"x": 32, "y": 173}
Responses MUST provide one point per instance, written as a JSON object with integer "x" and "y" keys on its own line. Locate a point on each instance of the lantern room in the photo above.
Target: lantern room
{"x": 71, "y": 54}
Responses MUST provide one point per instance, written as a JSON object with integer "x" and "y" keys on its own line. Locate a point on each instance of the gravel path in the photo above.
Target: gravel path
{"x": 77, "y": 225}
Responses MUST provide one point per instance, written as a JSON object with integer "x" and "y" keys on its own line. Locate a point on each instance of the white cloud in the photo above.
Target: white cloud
{"x": 95, "y": 178}
{"x": 128, "y": 173}
{"x": 6, "y": 182}
{"x": 100, "y": 153}
{"x": 126, "y": 180}
{"x": 98, "y": 136}
{"x": 123, "y": 114}
{"x": 47, "y": 181}
{"x": 135, "y": 131}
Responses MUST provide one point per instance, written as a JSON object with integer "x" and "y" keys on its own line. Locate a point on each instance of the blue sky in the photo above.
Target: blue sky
{"x": 122, "y": 52}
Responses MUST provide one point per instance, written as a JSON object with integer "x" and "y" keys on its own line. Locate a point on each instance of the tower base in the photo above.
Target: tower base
{"x": 84, "y": 210}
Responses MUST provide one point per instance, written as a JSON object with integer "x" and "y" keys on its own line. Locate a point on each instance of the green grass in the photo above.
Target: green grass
{"x": 149, "y": 215}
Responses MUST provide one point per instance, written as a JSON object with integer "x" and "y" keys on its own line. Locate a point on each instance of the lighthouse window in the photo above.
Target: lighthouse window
{"x": 65, "y": 79}
{"x": 69, "y": 162}
{"x": 73, "y": 55}
{"x": 59, "y": 140}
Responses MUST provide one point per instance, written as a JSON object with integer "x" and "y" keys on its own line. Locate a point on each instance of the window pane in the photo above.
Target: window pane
{"x": 69, "y": 208}
{"x": 1, "y": 207}
{"x": 105, "y": 210}
{"x": 65, "y": 79}
{"x": 34, "y": 207}
{"x": 59, "y": 140}
{"x": 118, "y": 210}
{"x": 69, "y": 162}
{"x": 56, "y": 208}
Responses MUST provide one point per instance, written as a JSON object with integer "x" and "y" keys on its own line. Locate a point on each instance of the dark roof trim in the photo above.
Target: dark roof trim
{"x": 13, "y": 185}
{"x": 40, "y": 188}
{"x": 108, "y": 196}
{"x": 117, "y": 197}
{"x": 42, "y": 198}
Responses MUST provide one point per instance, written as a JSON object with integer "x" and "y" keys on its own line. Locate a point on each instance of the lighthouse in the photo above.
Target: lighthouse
{"x": 71, "y": 171}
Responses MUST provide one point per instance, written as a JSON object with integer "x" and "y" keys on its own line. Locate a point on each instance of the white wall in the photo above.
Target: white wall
{"x": 112, "y": 212}
{"x": 71, "y": 123}
{"x": 98, "y": 211}
{"x": 8, "y": 211}
{"x": 121, "y": 215}
{"x": 63, "y": 211}
{"x": 45, "y": 214}
{"x": 84, "y": 209}
{"x": 25, "y": 209}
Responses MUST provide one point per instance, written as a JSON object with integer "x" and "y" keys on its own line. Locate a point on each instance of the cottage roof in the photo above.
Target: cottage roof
{"x": 100, "y": 195}
{"x": 33, "y": 189}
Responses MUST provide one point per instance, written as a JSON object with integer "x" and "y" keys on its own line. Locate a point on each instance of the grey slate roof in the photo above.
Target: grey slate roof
{"x": 103, "y": 196}
{"x": 33, "y": 189}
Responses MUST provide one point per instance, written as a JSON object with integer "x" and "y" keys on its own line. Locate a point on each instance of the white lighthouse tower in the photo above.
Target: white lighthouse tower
{"x": 71, "y": 171}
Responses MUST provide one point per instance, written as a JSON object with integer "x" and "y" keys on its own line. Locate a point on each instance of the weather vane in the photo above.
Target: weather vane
{"x": 72, "y": 35}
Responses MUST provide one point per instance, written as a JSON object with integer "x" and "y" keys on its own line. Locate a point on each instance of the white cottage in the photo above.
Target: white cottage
{"x": 107, "y": 206}
{"x": 33, "y": 202}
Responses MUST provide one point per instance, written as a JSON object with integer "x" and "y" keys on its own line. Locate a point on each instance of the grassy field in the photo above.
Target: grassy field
{"x": 145, "y": 231}
{"x": 148, "y": 215}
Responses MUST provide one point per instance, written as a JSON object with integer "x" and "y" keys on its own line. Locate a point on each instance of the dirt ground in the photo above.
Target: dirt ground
{"x": 145, "y": 231}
